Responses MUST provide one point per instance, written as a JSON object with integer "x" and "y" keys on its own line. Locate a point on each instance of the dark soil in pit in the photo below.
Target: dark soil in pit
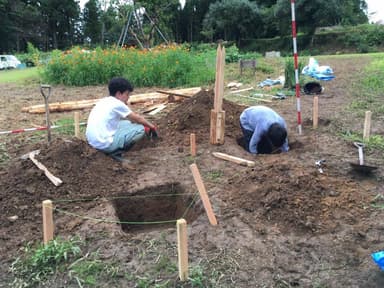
{"x": 282, "y": 223}
{"x": 157, "y": 207}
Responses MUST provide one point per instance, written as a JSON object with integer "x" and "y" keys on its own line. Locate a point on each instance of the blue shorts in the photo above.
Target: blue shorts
{"x": 126, "y": 136}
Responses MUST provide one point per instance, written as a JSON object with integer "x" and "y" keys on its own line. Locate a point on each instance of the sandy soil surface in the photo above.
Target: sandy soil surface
{"x": 281, "y": 223}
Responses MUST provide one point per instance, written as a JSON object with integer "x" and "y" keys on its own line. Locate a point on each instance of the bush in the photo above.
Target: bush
{"x": 163, "y": 66}
{"x": 290, "y": 81}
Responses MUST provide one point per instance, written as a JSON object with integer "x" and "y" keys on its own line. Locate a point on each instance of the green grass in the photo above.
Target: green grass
{"x": 41, "y": 264}
{"x": 20, "y": 75}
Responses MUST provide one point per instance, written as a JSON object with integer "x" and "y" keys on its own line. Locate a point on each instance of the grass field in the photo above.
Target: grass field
{"x": 20, "y": 75}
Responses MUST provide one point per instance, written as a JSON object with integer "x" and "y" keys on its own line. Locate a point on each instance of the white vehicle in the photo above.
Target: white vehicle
{"x": 9, "y": 62}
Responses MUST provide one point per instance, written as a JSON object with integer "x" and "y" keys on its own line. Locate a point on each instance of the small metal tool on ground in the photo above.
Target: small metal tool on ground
{"x": 319, "y": 164}
{"x": 46, "y": 102}
{"x": 361, "y": 167}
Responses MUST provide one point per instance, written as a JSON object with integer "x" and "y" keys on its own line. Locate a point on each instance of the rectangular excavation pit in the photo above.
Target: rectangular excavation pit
{"x": 156, "y": 207}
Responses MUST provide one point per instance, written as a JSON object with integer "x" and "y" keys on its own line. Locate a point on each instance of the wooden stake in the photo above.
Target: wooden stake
{"x": 182, "y": 248}
{"x": 217, "y": 127}
{"x": 193, "y": 144}
{"x": 76, "y": 118}
{"x": 203, "y": 194}
{"x": 217, "y": 115}
{"x": 47, "y": 221}
{"x": 367, "y": 125}
{"x": 315, "y": 112}
{"x": 219, "y": 83}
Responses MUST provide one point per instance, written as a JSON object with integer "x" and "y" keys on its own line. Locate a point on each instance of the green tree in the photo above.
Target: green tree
{"x": 232, "y": 20}
{"x": 190, "y": 20}
{"x": 10, "y": 25}
{"x": 354, "y": 12}
{"x": 61, "y": 17}
{"x": 92, "y": 22}
{"x": 311, "y": 14}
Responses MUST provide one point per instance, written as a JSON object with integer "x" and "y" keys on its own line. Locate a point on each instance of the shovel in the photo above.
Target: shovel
{"x": 46, "y": 102}
{"x": 361, "y": 167}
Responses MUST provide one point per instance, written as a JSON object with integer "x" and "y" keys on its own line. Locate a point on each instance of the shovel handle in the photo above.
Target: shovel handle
{"x": 45, "y": 86}
{"x": 361, "y": 156}
{"x": 46, "y": 96}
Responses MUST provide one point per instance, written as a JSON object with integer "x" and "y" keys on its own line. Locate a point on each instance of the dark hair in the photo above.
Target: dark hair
{"x": 119, "y": 84}
{"x": 264, "y": 146}
{"x": 277, "y": 135}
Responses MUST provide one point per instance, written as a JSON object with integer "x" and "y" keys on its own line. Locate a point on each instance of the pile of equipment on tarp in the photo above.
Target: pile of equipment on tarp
{"x": 314, "y": 70}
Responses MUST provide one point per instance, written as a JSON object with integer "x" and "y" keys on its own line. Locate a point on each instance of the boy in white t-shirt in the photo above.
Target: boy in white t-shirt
{"x": 112, "y": 126}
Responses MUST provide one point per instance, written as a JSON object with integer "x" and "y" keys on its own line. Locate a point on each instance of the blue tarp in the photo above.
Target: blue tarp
{"x": 324, "y": 73}
{"x": 378, "y": 257}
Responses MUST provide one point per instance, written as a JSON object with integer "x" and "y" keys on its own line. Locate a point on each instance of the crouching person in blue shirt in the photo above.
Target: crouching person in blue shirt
{"x": 264, "y": 131}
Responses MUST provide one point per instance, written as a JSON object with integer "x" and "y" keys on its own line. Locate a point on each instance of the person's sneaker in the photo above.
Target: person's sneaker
{"x": 118, "y": 157}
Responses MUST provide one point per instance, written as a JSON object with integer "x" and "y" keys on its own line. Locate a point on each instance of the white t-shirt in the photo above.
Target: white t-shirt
{"x": 103, "y": 121}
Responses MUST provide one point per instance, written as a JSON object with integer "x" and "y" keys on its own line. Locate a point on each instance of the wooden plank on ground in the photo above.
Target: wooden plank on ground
{"x": 140, "y": 98}
{"x": 173, "y": 93}
{"x": 56, "y": 181}
{"x": 158, "y": 109}
{"x": 82, "y": 104}
{"x": 234, "y": 159}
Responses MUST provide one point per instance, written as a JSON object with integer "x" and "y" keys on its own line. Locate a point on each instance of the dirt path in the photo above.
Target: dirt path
{"x": 281, "y": 223}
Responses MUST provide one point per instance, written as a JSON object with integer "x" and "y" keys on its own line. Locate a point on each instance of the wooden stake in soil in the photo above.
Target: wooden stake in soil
{"x": 315, "y": 112}
{"x": 47, "y": 221}
{"x": 217, "y": 113}
{"x": 193, "y": 144}
{"x": 182, "y": 248}
{"x": 367, "y": 125}
{"x": 203, "y": 194}
{"x": 76, "y": 121}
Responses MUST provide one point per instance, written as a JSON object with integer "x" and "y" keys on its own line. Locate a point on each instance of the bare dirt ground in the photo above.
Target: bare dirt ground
{"x": 282, "y": 223}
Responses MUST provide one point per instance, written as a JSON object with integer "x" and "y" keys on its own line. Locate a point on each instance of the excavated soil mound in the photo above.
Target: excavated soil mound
{"x": 193, "y": 116}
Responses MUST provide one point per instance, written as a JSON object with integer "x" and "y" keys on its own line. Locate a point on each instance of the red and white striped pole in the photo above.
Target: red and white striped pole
{"x": 296, "y": 66}
{"x": 26, "y": 130}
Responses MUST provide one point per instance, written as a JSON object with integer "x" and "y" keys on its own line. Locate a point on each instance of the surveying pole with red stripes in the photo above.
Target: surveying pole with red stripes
{"x": 295, "y": 57}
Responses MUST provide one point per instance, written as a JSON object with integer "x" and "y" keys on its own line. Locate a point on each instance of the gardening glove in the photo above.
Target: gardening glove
{"x": 151, "y": 132}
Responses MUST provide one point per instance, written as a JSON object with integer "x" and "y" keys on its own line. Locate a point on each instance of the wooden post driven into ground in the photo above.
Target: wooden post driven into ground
{"x": 182, "y": 248}
{"x": 47, "y": 221}
{"x": 315, "y": 112}
{"x": 203, "y": 194}
{"x": 367, "y": 125}
{"x": 217, "y": 114}
{"x": 193, "y": 144}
